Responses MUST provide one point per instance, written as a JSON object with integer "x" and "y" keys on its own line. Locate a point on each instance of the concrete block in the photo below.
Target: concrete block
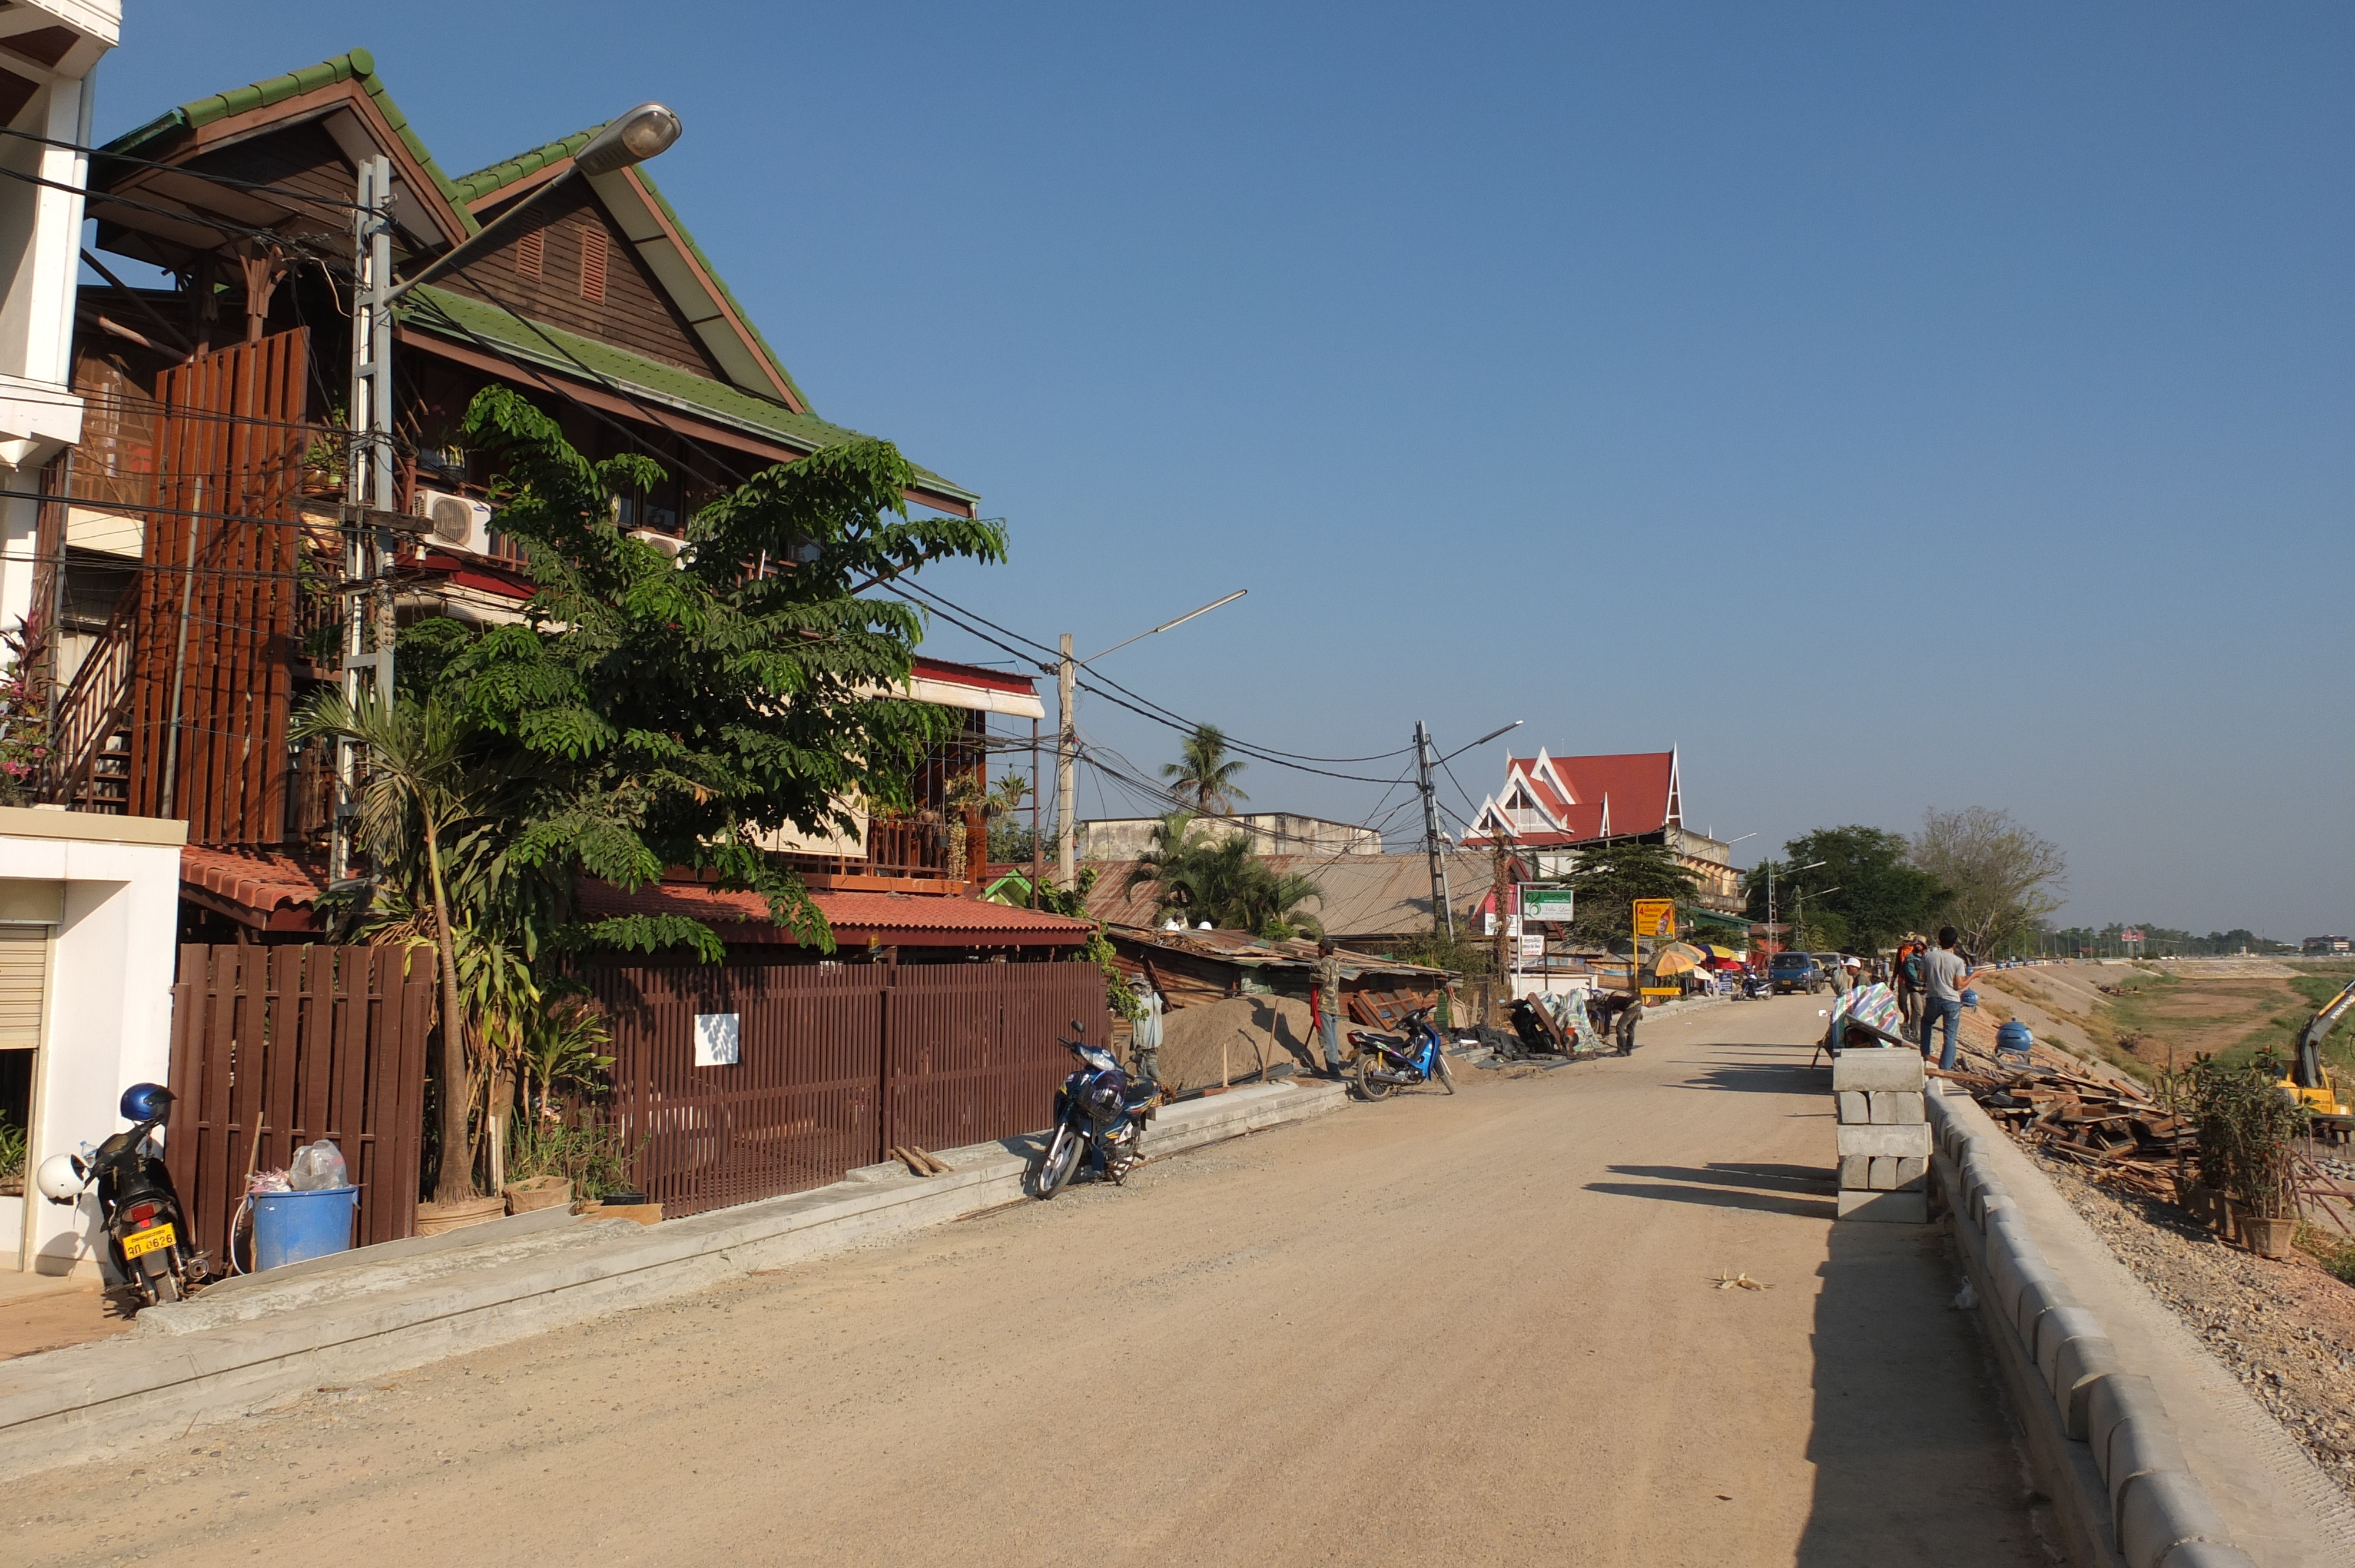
{"x": 1895, "y": 1107}
{"x": 1910, "y": 1173}
{"x": 2116, "y": 1399}
{"x": 1880, "y": 1173}
{"x": 1897, "y": 1208}
{"x": 1991, "y": 1203}
{"x": 2060, "y": 1323}
{"x": 1898, "y": 1142}
{"x": 2011, "y": 1270}
{"x": 2035, "y": 1301}
{"x": 1855, "y": 1106}
{"x": 2141, "y": 1448}
{"x": 1855, "y": 1171}
{"x": 2163, "y": 1509}
{"x": 2205, "y": 1554}
{"x": 1885, "y": 1069}
{"x": 2079, "y": 1366}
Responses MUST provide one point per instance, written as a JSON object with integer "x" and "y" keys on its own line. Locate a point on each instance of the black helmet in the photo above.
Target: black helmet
{"x": 1103, "y": 1101}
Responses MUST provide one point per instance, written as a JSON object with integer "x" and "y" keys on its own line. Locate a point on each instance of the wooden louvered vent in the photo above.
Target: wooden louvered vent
{"x": 592, "y": 265}
{"x": 531, "y": 250}
{"x": 24, "y": 985}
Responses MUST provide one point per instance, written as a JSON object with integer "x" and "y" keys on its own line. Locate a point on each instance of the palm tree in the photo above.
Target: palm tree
{"x": 1223, "y": 882}
{"x": 1203, "y": 771}
{"x": 422, "y": 807}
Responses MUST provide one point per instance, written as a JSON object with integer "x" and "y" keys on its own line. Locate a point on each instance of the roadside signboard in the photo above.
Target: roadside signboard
{"x": 1663, "y": 990}
{"x": 2131, "y": 933}
{"x": 1656, "y": 916}
{"x": 1532, "y": 947}
{"x": 1547, "y": 903}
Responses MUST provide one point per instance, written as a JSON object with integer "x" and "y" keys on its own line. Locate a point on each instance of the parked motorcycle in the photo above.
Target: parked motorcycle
{"x": 1100, "y": 1115}
{"x": 139, "y": 1209}
{"x": 1387, "y": 1062}
{"x": 1755, "y": 986}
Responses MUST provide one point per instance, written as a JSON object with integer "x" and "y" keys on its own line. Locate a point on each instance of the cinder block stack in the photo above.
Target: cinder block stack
{"x": 1884, "y": 1137}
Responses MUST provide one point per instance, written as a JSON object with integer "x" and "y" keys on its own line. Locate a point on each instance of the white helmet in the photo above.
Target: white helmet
{"x": 61, "y": 1179}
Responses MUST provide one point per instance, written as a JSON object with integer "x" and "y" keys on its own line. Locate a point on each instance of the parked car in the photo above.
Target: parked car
{"x": 1794, "y": 971}
{"x": 1829, "y": 961}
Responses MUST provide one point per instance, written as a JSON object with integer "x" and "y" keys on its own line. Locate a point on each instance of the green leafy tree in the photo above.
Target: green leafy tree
{"x": 1608, "y": 878}
{"x": 1204, "y": 770}
{"x": 679, "y": 712}
{"x": 1863, "y": 896}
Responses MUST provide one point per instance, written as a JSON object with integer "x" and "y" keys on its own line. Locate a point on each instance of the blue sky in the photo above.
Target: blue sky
{"x": 1889, "y": 406}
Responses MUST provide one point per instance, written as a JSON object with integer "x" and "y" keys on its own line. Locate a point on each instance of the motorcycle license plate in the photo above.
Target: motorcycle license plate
{"x": 139, "y": 1243}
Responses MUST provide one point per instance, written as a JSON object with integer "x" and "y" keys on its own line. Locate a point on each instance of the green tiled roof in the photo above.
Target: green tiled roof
{"x": 523, "y": 166}
{"x": 357, "y": 66}
{"x": 660, "y": 385}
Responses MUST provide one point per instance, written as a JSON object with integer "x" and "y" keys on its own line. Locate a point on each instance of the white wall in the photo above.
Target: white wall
{"x": 110, "y": 1012}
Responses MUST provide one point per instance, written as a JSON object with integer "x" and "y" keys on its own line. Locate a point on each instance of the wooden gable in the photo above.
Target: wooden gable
{"x": 568, "y": 264}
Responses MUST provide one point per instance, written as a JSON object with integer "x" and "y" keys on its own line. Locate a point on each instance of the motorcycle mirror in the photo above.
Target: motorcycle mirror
{"x": 79, "y": 1169}
{"x": 1078, "y": 1027}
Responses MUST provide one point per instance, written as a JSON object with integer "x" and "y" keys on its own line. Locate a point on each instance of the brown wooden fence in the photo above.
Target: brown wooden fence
{"x": 288, "y": 1046}
{"x": 835, "y": 1062}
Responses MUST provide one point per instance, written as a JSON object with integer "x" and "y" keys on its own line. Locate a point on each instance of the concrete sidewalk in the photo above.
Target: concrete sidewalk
{"x": 251, "y": 1343}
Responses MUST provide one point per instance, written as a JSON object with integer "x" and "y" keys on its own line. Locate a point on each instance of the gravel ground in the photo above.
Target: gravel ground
{"x": 2286, "y": 1328}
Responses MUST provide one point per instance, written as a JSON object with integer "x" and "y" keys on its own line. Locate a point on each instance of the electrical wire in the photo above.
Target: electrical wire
{"x": 206, "y": 174}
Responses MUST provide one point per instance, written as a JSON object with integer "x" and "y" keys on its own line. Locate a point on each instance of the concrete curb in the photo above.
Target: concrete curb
{"x": 372, "y": 1316}
{"x": 2098, "y": 1433}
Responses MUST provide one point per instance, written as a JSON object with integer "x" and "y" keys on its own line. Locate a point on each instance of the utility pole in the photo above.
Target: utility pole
{"x": 1500, "y": 889}
{"x": 1067, "y": 746}
{"x": 1443, "y": 907}
{"x": 368, "y": 477}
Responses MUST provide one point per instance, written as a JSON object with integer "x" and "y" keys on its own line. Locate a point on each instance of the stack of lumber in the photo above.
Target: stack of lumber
{"x": 2112, "y": 1128}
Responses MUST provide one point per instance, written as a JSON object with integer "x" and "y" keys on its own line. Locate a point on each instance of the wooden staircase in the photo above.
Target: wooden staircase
{"x": 90, "y": 732}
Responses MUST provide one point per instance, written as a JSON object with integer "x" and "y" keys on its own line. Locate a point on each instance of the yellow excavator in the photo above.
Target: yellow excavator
{"x": 2310, "y": 1082}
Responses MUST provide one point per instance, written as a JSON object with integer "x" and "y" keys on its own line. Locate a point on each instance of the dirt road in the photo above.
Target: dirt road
{"x": 1477, "y": 1329}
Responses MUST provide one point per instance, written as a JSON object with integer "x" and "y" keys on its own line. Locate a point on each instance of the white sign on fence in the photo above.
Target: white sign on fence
{"x": 715, "y": 1039}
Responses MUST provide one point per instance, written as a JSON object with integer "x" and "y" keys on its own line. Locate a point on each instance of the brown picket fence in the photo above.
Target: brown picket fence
{"x": 835, "y": 1062}
{"x": 273, "y": 1047}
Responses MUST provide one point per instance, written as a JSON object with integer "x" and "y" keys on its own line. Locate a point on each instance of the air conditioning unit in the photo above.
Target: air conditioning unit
{"x": 457, "y": 522}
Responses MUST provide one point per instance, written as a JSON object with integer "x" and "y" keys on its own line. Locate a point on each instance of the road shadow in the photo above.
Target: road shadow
{"x": 1912, "y": 1456}
{"x": 1718, "y": 1187}
{"x": 1804, "y": 1178}
{"x": 1764, "y": 1078}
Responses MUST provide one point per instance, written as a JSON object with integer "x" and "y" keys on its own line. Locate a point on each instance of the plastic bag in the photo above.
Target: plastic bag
{"x": 267, "y": 1181}
{"x": 316, "y": 1167}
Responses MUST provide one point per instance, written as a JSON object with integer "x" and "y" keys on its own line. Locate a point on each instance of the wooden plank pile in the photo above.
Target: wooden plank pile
{"x": 2113, "y": 1130}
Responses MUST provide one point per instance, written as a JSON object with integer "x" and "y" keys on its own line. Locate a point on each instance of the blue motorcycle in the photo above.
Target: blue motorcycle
{"x": 1100, "y": 1115}
{"x": 1387, "y": 1062}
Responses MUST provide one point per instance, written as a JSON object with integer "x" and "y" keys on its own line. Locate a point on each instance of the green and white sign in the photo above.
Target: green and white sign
{"x": 1545, "y": 903}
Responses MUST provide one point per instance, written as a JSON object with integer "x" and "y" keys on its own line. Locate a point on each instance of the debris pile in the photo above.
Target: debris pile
{"x": 2112, "y": 1128}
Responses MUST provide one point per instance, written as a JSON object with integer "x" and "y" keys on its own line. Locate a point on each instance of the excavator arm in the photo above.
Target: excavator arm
{"x": 2307, "y": 1070}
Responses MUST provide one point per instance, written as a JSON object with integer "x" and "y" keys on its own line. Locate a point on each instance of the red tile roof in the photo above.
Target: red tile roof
{"x": 1623, "y": 794}
{"x": 273, "y": 891}
{"x": 912, "y": 919}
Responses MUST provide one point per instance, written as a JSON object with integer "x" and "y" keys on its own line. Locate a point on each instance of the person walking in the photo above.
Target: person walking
{"x": 1943, "y": 971}
{"x": 1326, "y": 1003}
{"x": 1905, "y": 975}
{"x": 1843, "y": 982}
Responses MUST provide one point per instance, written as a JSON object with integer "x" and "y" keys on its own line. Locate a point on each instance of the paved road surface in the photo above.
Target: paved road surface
{"x": 1470, "y": 1331}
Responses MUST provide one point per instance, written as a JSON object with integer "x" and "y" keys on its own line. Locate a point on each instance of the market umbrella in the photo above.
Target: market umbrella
{"x": 1675, "y": 958}
{"x": 1714, "y": 951}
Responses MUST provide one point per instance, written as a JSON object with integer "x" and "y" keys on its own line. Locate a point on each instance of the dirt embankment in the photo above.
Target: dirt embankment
{"x": 2146, "y": 1018}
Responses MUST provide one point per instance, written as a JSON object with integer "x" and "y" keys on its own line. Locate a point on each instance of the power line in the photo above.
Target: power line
{"x": 207, "y": 175}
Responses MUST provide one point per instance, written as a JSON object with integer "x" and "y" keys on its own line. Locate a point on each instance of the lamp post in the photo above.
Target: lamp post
{"x": 631, "y": 138}
{"x": 1066, "y": 739}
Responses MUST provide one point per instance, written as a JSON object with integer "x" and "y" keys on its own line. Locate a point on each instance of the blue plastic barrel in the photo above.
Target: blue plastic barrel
{"x": 2013, "y": 1043}
{"x": 290, "y": 1227}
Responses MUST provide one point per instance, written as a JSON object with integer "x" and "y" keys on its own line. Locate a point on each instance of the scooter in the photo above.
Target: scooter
{"x": 1387, "y": 1062}
{"x": 139, "y": 1209}
{"x": 1100, "y": 1114}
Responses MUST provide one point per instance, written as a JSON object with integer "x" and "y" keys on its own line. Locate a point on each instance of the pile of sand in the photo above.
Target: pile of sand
{"x": 1247, "y": 1026}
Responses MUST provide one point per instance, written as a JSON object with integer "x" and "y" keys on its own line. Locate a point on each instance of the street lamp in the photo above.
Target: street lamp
{"x": 1067, "y": 674}
{"x": 630, "y": 138}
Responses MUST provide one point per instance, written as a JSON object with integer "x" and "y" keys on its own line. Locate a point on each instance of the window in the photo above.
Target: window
{"x": 592, "y": 265}
{"x": 530, "y": 251}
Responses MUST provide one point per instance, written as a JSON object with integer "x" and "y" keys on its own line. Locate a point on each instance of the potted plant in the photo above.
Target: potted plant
{"x": 2247, "y": 1130}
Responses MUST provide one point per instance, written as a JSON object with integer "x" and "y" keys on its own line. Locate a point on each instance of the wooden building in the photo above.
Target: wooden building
{"x": 191, "y": 546}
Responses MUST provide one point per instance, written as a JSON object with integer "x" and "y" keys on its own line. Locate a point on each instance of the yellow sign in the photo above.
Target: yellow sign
{"x": 1656, "y": 916}
{"x": 1662, "y": 990}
